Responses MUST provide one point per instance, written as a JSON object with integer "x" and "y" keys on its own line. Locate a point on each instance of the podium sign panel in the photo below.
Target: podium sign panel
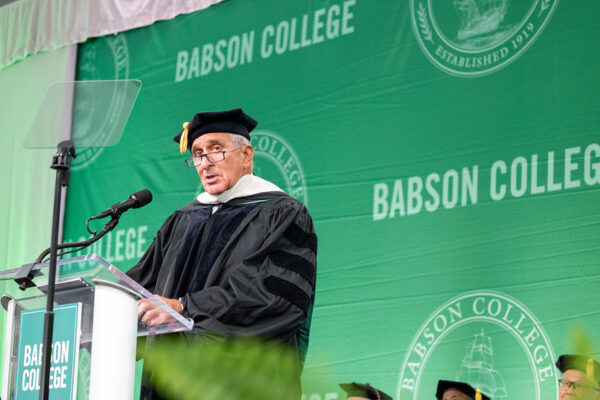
{"x": 95, "y": 286}
{"x": 65, "y": 352}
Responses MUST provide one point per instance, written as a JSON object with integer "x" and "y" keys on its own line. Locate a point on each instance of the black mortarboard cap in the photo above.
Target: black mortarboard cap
{"x": 462, "y": 387}
{"x": 580, "y": 363}
{"x": 364, "y": 390}
{"x": 233, "y": 121}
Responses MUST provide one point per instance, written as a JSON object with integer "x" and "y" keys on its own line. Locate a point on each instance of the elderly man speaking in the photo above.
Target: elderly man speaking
{"x": 241, "y": 258}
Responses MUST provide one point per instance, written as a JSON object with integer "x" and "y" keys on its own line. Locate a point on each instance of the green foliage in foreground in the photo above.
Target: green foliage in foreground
{"x": 583, "y": 343}
{"x": 580, "y": 339}
{"x": 226, "y": 370}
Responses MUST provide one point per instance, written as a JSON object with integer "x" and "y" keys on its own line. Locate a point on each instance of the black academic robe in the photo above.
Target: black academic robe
{"x": 248, "y": 268}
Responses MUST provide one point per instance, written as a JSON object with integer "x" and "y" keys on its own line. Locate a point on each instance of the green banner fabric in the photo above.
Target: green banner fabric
{"x": 64, "y": 356}
{"x": 448, "y": 152}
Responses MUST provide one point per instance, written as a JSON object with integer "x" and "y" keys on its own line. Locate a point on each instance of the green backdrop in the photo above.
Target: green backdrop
{"x": 448, "y": 153}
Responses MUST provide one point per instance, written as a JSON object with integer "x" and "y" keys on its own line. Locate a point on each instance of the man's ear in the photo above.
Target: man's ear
{"x": 247, "y": 154}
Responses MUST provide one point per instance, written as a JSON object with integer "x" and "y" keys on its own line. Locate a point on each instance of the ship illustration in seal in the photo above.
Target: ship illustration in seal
{"x": 477, "y": 368}
{"x": 480, "y": 21}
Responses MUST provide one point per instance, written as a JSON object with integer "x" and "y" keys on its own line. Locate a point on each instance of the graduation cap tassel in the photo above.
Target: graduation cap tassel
{"x": 478, "y": 394}
{"x": 183, "y": 142}
{"x": 589, "y": 369}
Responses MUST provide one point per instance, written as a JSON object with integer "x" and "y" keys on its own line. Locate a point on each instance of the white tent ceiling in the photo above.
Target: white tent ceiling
{"x": 31, "y": 26}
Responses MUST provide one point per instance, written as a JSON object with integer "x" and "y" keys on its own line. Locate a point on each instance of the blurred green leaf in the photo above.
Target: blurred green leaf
{"x": 240, "y": 368}
{"x": 581, "y": 340}
{"x": 583, "y": 344}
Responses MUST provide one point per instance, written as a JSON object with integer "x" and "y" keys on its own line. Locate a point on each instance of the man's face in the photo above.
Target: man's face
{"x": 584, "y": 391}
{"x": 217, "y": 177}
{"x": 455, "y": 395}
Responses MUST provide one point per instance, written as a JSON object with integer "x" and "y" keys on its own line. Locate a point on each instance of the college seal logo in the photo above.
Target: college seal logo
{"x": 276, "y": 161}
{"x": 90, "y": 116}
{"x": 477, "y": 37}
{"x": 486, "y": 339}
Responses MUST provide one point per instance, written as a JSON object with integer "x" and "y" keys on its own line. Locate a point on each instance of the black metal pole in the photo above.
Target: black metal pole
{"x": 61, "y": 163}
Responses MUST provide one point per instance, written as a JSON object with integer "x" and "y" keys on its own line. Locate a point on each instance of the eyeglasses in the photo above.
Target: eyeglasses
{"x": 213, "y": 157}
{"x": 576, "y": 385}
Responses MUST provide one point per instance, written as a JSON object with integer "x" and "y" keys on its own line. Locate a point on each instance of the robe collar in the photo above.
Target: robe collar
{"x": 247, "y": 185}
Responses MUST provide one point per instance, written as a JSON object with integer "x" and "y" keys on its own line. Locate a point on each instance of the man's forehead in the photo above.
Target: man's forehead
{"x": 574, "y": 374}
{"x": 210, "y": 139}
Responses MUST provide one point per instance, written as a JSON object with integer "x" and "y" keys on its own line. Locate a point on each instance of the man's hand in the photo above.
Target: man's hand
{"x": 153, "y": 315}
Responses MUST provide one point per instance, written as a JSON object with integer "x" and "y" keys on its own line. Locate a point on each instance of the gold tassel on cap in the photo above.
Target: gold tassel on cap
{"x": 183, "y": 141}
{"x": 589, "y": 369}
{"x": 477, "y": 394}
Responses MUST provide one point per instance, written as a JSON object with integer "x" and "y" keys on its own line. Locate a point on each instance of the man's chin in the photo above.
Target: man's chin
{"x": 214, "y": 190}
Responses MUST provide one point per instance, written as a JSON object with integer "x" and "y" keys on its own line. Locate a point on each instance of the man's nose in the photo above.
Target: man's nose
{"x": 205, "y": 163}
{"x": 570, "y": 389}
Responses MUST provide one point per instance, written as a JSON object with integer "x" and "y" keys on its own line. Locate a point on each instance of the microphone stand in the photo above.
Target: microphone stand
{"x": 61, "y": 162}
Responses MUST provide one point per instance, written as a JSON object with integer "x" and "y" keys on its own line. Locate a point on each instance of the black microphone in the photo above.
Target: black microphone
{"x": 135, "y": 200}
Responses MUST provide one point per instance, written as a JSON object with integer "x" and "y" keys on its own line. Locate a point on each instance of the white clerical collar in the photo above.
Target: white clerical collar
{"x": 247, "y": 185}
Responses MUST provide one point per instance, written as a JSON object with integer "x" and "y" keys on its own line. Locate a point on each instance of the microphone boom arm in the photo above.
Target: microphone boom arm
{"x": 135, "y": 200}
{"x": 110, "y": 225}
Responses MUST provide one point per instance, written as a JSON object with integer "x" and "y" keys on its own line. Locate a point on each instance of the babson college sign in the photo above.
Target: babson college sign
{"x": 474, "y": 38}
{"x": 479, "y": 337}
{"x": 276, "y": 161}
{"x": 64, "y": 356}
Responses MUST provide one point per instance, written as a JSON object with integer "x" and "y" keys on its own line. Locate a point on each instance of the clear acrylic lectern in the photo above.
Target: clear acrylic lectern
{"x": 109, "y": 324}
